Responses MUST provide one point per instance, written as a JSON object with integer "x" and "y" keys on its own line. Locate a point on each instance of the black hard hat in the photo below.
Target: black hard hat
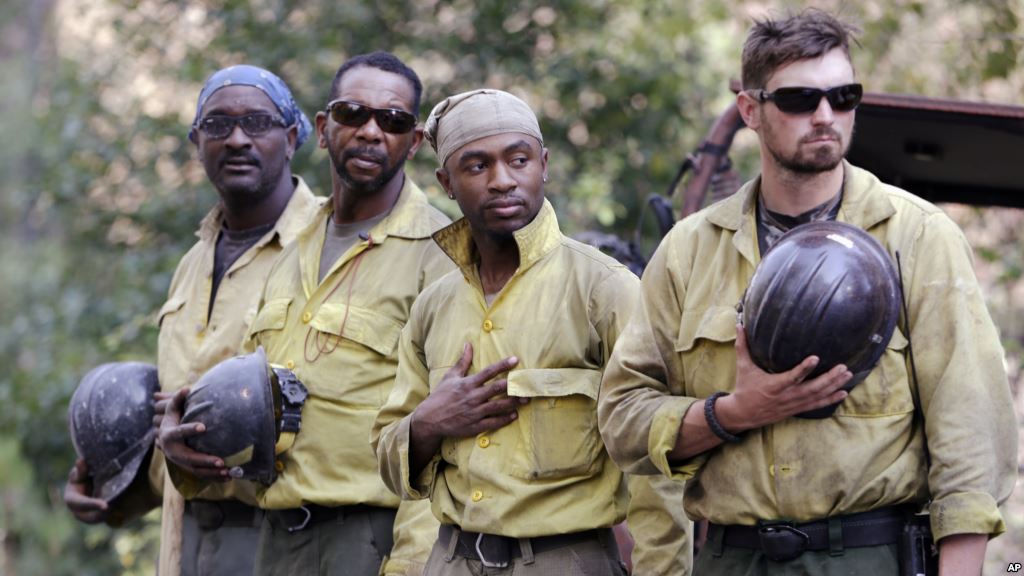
{"x": 245, "y": 404}
{"x": 111, "y": 423}
{"x": 825, "y": 288}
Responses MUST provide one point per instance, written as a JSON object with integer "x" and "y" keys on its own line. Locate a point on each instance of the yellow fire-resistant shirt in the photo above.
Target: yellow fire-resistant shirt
{"x": 340, "y": 337}
{"x": 679, "y": 348}
{"x": 190, "y": 341}
{"x": 547, "y": 472}
{"x": 662, "y": 543}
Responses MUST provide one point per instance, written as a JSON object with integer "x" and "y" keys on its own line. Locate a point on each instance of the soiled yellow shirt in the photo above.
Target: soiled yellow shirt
{"x": 560, "y": 314}
{"x": 662, "y": 534}
{"x": 679, "y": 348}
{"x": 193, "y": 338}
{"x": 340, "y": 337}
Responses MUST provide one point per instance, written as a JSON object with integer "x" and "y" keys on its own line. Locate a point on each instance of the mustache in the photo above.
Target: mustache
{"x": 364, "y": 152}
{"x": 244, "y": 158}
{"x": 822, "y": 132}
{"x": 510, "y": 199}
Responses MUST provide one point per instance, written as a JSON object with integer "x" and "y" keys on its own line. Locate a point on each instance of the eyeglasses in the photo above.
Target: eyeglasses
{"x": 258, "y": 124}
{"x": 798, "y": 100}
{"x": 355, "y": 115}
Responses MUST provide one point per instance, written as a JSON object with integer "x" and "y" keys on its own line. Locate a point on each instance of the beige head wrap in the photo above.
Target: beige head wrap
{"x": 463, "y": 118}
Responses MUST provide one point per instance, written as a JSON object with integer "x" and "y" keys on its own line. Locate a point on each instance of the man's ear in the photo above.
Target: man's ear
{"x": 444, "y": 179}
{"x": 321, "y": 128}
{"x": 417, "y": 141}
{"x": 293, "y": 136}
{"x": 748, "y": 108}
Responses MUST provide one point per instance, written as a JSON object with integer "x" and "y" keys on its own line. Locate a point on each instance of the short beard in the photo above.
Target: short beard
{"x": 822, "y": 161}
{"x": 367, "y": 187}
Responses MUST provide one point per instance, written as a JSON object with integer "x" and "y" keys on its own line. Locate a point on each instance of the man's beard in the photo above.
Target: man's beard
{"x": 367, "y": 186}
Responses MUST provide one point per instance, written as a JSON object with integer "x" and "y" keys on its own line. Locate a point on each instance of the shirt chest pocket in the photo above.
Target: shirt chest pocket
{"x": 268, "y": 325}
{"x": 354, "y": 349}
{"x": 706, "y": 347}
{"x": 171, "y": 340}
{"x": 558, "y": 427}
{"x": 886, "y": 390}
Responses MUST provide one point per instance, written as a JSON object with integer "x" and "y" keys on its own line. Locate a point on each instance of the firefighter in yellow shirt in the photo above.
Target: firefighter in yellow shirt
{"x": 331, "y": 312}
{"x": 681, "y": 396}
{"x": 246, "y": 130}
{"x": 493, "y": 415}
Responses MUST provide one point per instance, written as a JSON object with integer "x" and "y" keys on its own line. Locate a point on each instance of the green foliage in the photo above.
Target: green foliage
{"x": 101, "y": 191}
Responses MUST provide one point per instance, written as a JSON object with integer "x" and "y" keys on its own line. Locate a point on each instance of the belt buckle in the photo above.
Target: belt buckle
{"x": 301, "y": 525}
{"x": 782, "y": 541}
{"x": 487, "y": 563}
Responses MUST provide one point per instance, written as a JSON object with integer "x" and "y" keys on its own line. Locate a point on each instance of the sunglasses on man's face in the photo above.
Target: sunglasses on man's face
{"x": 258, "y": 124}
{"x": 797, "y": 100}
{"x": 355, "y": 115}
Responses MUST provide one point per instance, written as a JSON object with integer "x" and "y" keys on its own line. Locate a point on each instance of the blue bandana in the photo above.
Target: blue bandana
{"x": 269, "y": 83}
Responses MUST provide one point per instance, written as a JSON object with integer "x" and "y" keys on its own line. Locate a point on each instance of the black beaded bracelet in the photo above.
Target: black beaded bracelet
{"x": 716, "y": 427}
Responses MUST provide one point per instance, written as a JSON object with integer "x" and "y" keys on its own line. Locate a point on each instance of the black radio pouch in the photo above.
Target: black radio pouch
{"x": 918, "y": 556}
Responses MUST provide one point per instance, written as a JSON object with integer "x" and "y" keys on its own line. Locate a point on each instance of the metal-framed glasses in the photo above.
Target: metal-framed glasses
{"x": 355, "y": 115}
{"x": 218, "y": 127}
{"x": 799, "y": 100}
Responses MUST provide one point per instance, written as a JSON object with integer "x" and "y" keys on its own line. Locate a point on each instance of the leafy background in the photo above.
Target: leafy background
{"x": 100, "y": 190}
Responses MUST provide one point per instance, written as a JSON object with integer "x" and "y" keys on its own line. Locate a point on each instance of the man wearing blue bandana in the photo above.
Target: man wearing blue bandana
{"x": 246, "y": 130}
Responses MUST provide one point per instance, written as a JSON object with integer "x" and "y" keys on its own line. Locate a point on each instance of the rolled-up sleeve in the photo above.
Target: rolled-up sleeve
{"x": 963, "y": 387}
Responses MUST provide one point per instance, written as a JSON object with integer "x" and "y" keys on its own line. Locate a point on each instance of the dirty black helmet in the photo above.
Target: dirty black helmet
{"x": 111, "y": 423}
{"x": 245, "y": 404}
{"x": 827, "y": 289}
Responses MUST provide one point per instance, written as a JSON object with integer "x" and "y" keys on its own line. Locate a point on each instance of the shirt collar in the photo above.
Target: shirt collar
{"x": 535, "y": 240}
{"x": 863, "y": 202}
{"x": 292, "y": 221}
{"x": 411, "y": 217}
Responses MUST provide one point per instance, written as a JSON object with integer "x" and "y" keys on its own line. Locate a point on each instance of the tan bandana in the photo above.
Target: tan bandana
{"x": 463, "y": 118}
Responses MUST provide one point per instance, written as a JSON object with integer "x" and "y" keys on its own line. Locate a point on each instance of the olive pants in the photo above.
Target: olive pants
{"x": 219, "y": 538}
{"x": 353, "y": 543}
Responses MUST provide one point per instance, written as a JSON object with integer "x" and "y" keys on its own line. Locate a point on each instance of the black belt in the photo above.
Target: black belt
{"x": 781, "y": 541}
{"x": 296, "y": 519}
{"x": 213, "y": 514}
{"x": 498, "y": 551}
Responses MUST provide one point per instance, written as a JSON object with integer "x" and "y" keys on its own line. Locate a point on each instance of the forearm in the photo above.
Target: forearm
{"x": 962, "y": 554}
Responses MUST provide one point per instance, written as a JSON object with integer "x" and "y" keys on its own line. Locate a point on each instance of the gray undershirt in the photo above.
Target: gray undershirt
{"x": 772, "y": 225}
{"x": 341, "y": 237}
{"x": 231, "y": 244}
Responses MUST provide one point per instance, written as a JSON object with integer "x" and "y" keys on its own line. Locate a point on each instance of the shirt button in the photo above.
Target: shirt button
{"x": 279, "y": 466}
{"x": 290, "y": 365}
{"x": 477, "y": 495}
{"x": 483, "y": 441}
{"x": 488, "y": 325}
{"x": 306, "y": 317}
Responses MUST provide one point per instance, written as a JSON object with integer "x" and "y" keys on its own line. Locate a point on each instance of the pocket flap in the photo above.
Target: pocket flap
{"x": 272, "y": 315}
{"x": 375, "y": 331}
{"x": 554, "y": 382}
{"x": 169, "y": 307}
{"x": 717, "y": 324}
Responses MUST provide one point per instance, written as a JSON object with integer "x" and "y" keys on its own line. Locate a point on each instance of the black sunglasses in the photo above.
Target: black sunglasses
{"x": 258, "y": 124}
{"x": 355, "y": 115}
{"x": 798, "y": 100}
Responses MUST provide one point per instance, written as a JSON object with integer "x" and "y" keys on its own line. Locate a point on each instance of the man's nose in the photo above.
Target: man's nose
{"x": 237, "y": 138}
{"x": 823, "y": 114}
